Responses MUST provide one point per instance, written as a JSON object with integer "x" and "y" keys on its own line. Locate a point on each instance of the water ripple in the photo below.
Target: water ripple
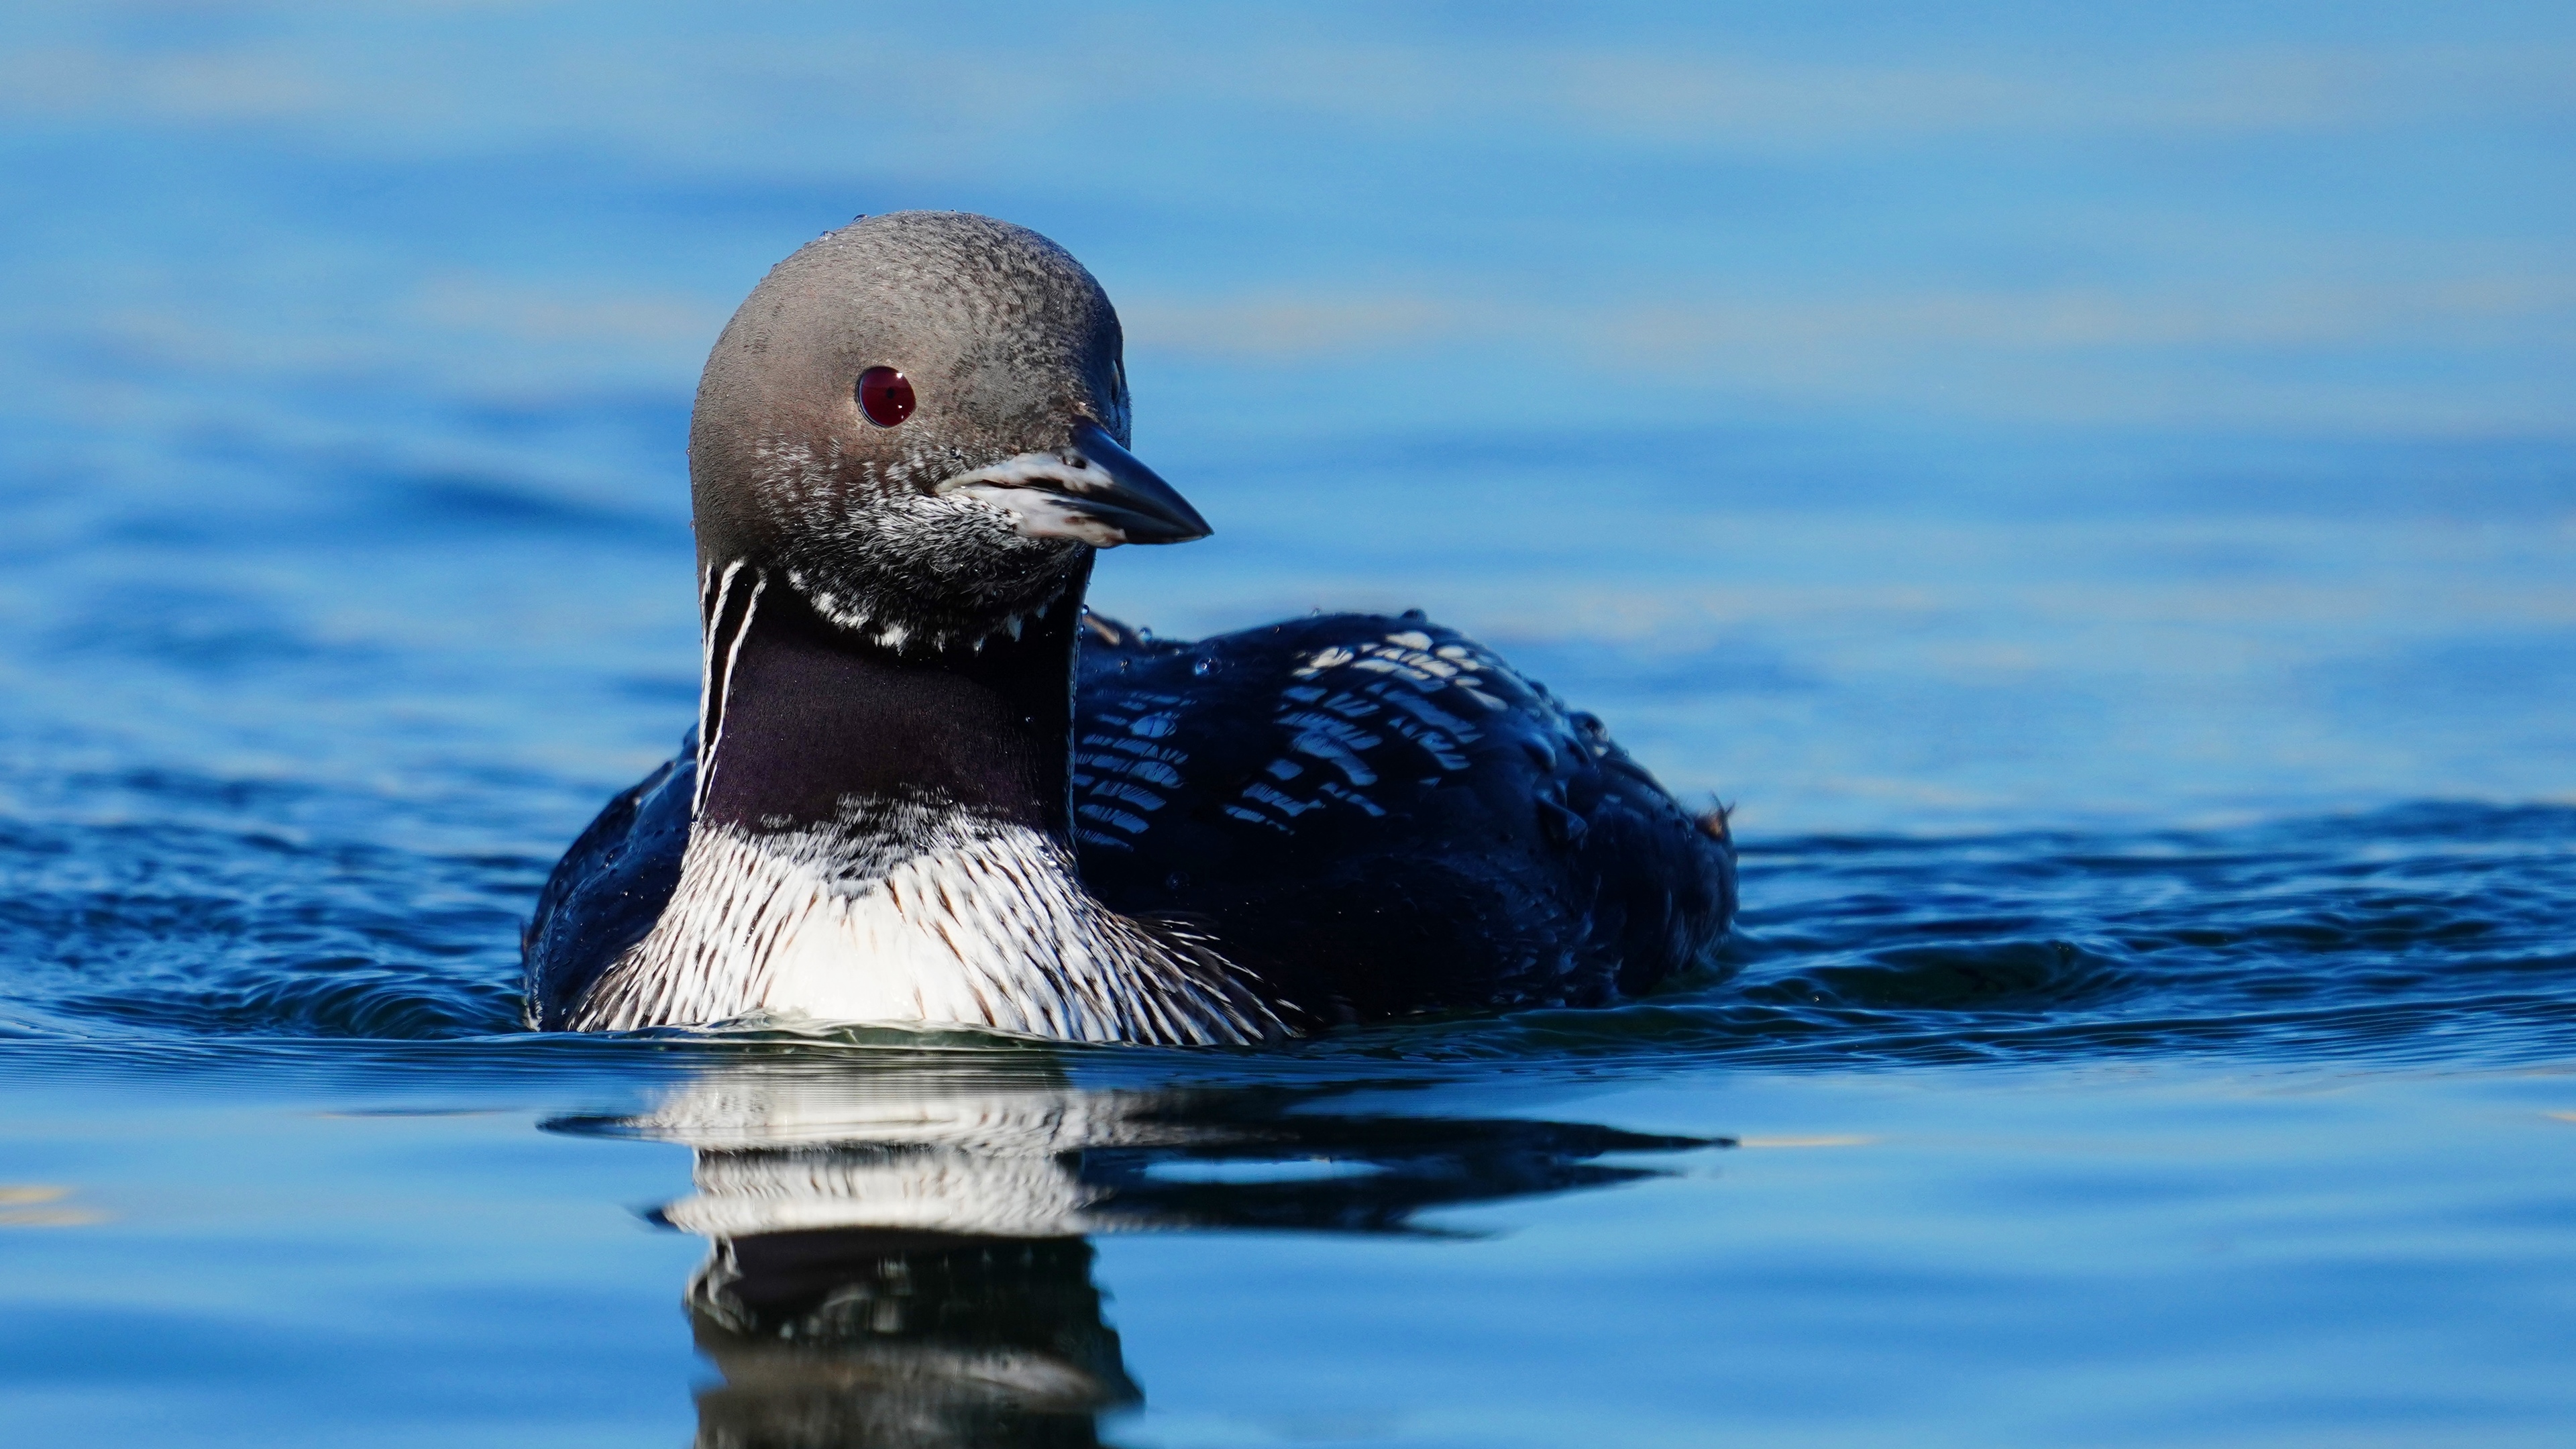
{"x": 237, "y": 910}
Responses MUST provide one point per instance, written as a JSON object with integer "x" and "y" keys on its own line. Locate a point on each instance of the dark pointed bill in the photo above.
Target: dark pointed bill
{"x": 1090, "y": 489}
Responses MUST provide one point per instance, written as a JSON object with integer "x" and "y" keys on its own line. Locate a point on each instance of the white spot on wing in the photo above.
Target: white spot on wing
{"x": 1324, "y": 659}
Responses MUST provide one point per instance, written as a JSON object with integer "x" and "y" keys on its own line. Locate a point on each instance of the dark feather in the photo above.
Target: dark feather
{"x": 609, "y": 889}
{"x": 1374, "y": 837}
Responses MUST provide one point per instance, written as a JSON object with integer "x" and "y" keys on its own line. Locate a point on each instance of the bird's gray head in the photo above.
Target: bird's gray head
{"x": 919, "y": 422}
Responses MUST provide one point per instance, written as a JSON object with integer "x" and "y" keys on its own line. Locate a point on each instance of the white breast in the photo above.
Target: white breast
{"x": 910, "y": 914}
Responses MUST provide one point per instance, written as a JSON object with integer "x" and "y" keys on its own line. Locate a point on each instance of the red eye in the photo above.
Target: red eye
{"x": 885, "y": 395}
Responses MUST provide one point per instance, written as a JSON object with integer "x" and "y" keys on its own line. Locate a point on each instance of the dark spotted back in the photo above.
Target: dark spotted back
{"x": 1381, "y": 816}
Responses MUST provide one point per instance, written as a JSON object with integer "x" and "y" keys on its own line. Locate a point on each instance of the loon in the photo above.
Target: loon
{"x": 927, "y": 787}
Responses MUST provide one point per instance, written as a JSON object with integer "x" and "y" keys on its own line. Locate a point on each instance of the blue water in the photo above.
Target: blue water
{"x": 2097, "y": 493}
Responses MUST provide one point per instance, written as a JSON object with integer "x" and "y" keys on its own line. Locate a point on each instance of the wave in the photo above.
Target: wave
{"x": 2426, "y": 932}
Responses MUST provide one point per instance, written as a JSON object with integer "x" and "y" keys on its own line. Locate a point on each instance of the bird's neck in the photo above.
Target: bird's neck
{"x": 883, "y": 837}
{"x": 811, "y": 725}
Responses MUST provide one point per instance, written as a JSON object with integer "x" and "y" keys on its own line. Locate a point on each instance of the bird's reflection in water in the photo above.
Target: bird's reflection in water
{"x": 900, "y": 1253}
{"x": 858, "y": 1337}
